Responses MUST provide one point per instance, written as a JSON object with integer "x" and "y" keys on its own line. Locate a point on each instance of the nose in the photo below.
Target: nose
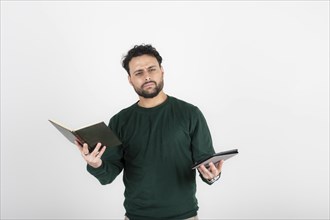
{"x": 147, "y": 76}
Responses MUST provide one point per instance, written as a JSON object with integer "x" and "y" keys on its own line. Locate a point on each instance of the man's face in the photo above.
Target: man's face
{"x": 146, "y": 76}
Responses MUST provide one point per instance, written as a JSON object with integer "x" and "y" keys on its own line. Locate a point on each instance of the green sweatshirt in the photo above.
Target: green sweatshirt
{"x": 160, "y": 145}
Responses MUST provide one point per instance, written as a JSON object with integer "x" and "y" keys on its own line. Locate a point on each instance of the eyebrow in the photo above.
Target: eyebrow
{"x": 152, "y": 66}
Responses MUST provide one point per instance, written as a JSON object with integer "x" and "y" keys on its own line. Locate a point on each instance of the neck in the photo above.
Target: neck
{"x": 152, "y": 102}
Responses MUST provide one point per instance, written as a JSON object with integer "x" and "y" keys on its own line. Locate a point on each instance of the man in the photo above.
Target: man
{"x": 162, "y": 137}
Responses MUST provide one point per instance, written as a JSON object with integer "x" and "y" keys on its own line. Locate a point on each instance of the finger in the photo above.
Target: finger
{"x": 85, "y": 149}
{"x": 205, "y": 172}
{"x": 213, "y": 169}
{"x": 200, "y": 169}
{"x": 219, "y": 166}
{"x": 102, "y": 151}
{"x": 96, "y": 150}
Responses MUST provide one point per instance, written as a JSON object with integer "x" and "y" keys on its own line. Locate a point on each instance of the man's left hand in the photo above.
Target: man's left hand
{"x": 212, "y": 171}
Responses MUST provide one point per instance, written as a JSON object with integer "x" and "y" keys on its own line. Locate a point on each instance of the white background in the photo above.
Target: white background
{"x": 258, "y": 70}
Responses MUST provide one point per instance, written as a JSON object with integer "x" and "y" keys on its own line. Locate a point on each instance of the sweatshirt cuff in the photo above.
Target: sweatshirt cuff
{"x": 96, "y": 171}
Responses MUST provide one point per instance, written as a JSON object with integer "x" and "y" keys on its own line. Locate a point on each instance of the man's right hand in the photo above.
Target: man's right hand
{"x": 93, "y": 158}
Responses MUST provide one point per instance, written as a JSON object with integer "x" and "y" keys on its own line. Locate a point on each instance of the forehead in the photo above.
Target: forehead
{"x": 143, "y": 61}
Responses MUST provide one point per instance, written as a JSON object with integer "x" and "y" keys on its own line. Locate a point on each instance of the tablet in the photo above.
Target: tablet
{"x": 215, "y": 158}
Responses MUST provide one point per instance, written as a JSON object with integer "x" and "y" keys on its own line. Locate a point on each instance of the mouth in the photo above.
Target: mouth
{"x": 149, "y": 84}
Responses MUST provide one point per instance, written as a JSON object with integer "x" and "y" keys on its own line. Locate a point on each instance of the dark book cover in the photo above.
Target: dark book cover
{"x": 92, "y": 134}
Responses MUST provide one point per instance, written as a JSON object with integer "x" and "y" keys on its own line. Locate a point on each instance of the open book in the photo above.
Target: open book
{"x": 92, "y": 134}
{"x": 215, "y": 158}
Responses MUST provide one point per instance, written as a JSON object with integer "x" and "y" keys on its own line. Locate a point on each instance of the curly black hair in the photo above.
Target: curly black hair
{"x": 139, "y": 50}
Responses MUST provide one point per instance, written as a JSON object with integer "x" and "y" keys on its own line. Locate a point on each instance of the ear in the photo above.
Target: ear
{"x": 129, "y": 79}
{"x": 162, "y": 69}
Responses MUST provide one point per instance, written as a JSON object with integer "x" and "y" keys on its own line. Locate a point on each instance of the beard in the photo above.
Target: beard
{"x": 148, "y": 94}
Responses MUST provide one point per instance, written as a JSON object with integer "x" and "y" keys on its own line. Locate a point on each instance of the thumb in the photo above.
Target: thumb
{"x": 219, "y": 165}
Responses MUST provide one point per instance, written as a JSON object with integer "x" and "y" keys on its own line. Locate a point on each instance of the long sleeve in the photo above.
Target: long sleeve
{"x": 201, "y": 140}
